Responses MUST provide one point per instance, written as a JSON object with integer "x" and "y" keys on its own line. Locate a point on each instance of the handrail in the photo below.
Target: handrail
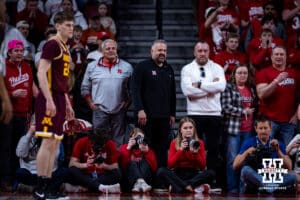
{"x": 159, "y": 18}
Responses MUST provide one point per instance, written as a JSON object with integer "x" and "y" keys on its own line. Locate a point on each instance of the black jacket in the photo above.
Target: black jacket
{"x": 153, "y": 89}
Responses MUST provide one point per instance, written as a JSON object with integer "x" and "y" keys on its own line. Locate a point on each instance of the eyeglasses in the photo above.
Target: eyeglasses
{"x": 202, "y": 72}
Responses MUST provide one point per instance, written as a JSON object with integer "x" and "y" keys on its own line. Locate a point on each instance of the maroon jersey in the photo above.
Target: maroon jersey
{"x": 58, "y": 75}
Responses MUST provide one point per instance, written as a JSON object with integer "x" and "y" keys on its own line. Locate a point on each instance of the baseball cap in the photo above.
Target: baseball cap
{"x": 22, "y": 23}
{"x": 13, "y": 44}
{"x": 102, "y": 35}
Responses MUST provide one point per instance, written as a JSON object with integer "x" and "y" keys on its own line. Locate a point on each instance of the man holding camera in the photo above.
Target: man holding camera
{"x": 94, "y": 163}
{"x": 250, "y": 160}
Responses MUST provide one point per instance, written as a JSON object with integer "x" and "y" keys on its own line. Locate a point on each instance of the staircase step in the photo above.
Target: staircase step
{"x": 152, "y": 38}
{"x": 152, "y": 22}
{"x": 175, "y": 49}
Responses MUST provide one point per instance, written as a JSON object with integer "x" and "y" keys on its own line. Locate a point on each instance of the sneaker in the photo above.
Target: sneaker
{"x": 62, "y": 196}
{"x": 115, "y": 188}
{"x": 145, "y": 187}
{"x": 215, "y": 190}
{"x": 39, "y": 195}
{"x": 204, "y": 188}
{"x": 22, "y": 188}
{"x": 73, "y": 188}
{"x": 137, "y": 187}
{"x": 160, "y": 190}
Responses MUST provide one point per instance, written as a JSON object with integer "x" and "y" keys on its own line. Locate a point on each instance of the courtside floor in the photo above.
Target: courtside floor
{"x": 154, "y": 196}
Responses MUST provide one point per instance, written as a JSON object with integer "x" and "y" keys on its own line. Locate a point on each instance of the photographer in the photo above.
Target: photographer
{"x": 138, "y": 161}
{"x": 252, "y": 152}
{"x": 186, "y": 162}
{"x": 293, "y": 150}
{"x": 94, "y": 163}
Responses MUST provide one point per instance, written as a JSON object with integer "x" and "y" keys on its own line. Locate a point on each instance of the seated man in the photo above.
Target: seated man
{"x": 94, "y": 163}
{"x": 257, "y": 154}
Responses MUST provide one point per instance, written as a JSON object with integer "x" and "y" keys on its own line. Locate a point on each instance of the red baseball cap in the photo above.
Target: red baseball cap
{"x": 102, "y": 35}
{"x": 15, "y": 44}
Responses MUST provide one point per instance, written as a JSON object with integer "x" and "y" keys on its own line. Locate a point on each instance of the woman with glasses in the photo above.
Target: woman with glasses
{"x": 238, "y": 102}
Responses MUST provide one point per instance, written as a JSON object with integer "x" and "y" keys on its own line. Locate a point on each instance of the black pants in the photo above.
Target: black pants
{"x": 80, "y": 177}
{"x": 26, "y": 177}
{"x": 181, "y": 178}
{"x": 10, "y": 135}
{"x": 157, "y": 131}
{"x": 211, "y": 128}
{"x": 136, "y": 170}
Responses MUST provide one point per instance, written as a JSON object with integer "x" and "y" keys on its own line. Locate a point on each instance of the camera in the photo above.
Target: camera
{"x": 99, "y": 159}
{"x": 297, "y": 161}
{"x": 97, "y": 147}
{"x": 255, "y": 159}
{"x": 139, "y": 140}
{"x": 195, "y": 144}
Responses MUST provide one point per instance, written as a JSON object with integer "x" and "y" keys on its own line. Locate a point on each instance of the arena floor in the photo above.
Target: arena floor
{"x": 154, "y": 196}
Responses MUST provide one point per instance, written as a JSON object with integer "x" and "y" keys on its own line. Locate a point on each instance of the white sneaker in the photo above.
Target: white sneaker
{"x": 137, "y": 187}
{"x": 115, "y": 188}
{"x": 73, "y": 188}
{"x": 145, "y": 186}
{"x": 204, "y": 188}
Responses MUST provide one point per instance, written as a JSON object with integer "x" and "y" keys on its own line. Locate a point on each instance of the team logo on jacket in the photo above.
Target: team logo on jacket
{"x": 154, "y": 73}
{"x": 14, "y": 81}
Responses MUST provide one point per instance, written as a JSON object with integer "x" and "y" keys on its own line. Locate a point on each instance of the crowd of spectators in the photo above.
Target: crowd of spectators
{"x": 246, "y": 65}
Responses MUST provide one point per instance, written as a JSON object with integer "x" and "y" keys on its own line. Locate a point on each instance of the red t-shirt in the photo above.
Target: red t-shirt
{"x": 83, "y": 149}
{"x": 186, "y": 159}
{"x": 261, "y": 57}
{"x": 136, "y": 155}
{"x": 280, "y": 106}
{"x": 247, "y": 100}
{"x": 292, "y": 24}
{"x": 293, "y": 57}
{"x": 250, "y": 9}
{"x": 229, "y": 60}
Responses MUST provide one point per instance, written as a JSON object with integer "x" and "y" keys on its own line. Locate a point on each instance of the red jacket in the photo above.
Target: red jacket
{"x": 186, "y": 159}
{"x": 22, "y": 78}
{"x": 261, "y": 57}
{"x": 135, "y": 154}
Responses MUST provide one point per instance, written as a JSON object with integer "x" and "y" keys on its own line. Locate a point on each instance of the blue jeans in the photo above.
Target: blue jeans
{"x": 234, "y": 143}
{"x": 283, "y": 131}
{"x": 251, "y": 178}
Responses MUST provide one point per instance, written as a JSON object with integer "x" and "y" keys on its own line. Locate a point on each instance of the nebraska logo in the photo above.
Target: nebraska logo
{"x": 18, "y": 80}
{"x": 272, "y": 171}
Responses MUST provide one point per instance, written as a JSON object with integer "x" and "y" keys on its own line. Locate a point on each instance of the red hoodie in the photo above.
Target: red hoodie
{"x": 19, "y": 78}
{"x": 135, "y": 154}
{"x": 186, "y": 159}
